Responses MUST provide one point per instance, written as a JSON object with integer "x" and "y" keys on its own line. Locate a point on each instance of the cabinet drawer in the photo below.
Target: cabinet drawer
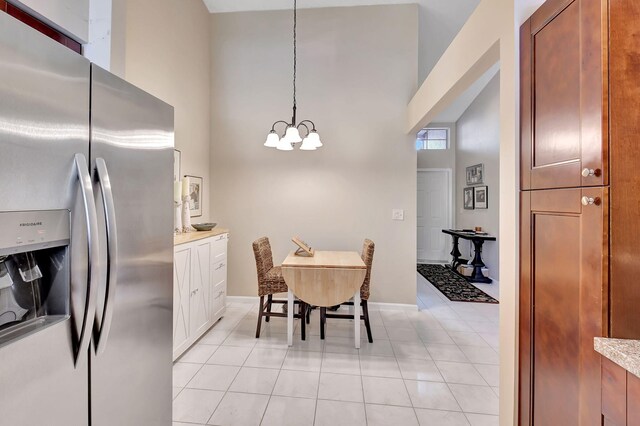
{"x": 219, "y": 248}
{"x": 219, "y": 296}
{"x": 218, "y": 272}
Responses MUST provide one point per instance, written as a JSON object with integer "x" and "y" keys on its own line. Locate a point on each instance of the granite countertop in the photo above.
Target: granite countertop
{"x": 197, "y": 235}
{"x": 625, "y": 353}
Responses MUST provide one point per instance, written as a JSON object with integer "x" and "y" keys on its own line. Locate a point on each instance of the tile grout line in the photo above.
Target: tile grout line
{"x": 231, "y": 383}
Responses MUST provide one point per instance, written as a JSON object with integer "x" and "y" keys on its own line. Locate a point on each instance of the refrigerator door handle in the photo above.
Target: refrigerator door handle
{"x": 86, "y": 188}
{"x": 102, "y": 333}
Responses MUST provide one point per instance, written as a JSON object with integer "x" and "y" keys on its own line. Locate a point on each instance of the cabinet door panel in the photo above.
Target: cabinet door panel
{"x": 561, "y": 306}
{"x": 181, "y": 297}
{"x": 563, "y": 100}
{"x": 633, "y": 400}
{"x": 200, "y": 287}
{"x": 614, "y": 393}
{"x": 556, "y": 100}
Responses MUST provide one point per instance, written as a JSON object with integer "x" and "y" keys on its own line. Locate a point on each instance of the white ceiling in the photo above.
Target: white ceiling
{"x": 222, "y": 6}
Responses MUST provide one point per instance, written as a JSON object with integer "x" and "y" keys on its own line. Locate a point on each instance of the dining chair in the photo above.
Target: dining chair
{"x": 367, "y": 256}
{"x": 270, "y": 282}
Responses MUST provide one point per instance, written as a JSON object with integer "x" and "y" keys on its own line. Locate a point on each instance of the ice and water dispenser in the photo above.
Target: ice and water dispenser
{"x": 34, "y": 271}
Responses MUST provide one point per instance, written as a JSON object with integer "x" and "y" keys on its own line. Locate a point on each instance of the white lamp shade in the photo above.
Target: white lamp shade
{"x": 308, "y": 145}
{"x": 314, "y": 137}
{"x": 292, "y": 135}
{"x": 284, "y": 145}
{"x": 272, "y": 140}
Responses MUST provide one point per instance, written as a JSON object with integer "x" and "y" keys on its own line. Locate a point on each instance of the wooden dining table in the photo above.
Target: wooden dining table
{"x": 327, "y": 279}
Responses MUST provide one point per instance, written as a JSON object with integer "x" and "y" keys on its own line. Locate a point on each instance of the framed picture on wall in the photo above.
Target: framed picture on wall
{"x": 481, "y": 197}
{"x": 468, "y": 200}
{"x": 475, "y": 175}
{"x": 195, "y": 192}
{"x": 176, "y": 165}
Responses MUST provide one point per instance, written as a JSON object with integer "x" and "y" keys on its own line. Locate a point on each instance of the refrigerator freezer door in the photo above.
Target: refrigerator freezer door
{"x": 44, "y": 102}
{"x": 131, "y": 366}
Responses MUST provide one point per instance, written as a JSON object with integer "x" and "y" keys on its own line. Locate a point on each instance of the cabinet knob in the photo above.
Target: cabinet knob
{"x": 590, "y": 201}
{"x": 586, "y": 172}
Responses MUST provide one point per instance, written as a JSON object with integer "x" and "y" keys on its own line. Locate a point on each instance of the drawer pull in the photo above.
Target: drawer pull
{"x": 586, "y": 172}
{"x": 589, "y": 201}
{"x": 222, "y": 265}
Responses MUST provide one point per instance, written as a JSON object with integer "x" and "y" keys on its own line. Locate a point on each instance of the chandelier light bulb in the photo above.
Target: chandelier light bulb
{"x": 293, "y": 135}
{"x": 308, "y": 144}
{"x": 314, "y": 137}
{"x": 272, "y": 140}
{"x": 284, "y": 145}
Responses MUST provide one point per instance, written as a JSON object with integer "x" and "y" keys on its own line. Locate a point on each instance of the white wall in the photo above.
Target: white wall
{"x": 98, "y": 48}
{"x": 357, "y": 69}
{"x": 440, "y": 21}
{"x": 166, "y": 51}
{"x": 478, "y": 141}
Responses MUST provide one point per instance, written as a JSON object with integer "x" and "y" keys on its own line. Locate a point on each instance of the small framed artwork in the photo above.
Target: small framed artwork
{"x": 475, "y": 175}
{"x": 195, "y": 193}
{"x": 468, "y": 201}
{"x": 481, "y": 197}
{"x": 176, "y": 165}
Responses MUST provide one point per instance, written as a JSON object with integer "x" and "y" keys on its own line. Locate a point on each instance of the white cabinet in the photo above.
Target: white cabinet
{"x": 199, "y": 286}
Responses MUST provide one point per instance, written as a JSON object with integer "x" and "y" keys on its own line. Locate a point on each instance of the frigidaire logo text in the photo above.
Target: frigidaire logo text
{"x": 31, "y": 224}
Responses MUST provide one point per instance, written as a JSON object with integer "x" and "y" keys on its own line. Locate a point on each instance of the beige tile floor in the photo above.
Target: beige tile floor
{"x": 437, "y": 366}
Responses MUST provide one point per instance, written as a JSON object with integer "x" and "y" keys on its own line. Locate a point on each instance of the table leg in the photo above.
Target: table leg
{"x": 290, "y": 318}
{"x": 478, "y": 264}
{"x": 356, "y": 317}
{"x": 455, "y": 253}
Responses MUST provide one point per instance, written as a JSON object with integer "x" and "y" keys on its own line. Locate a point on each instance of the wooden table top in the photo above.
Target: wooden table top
{"x": 326, "y": 259}
{"x": 469, "y": 235}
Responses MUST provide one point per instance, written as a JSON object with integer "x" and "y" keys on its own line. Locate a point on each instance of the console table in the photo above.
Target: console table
{"x": 478, "y": 240}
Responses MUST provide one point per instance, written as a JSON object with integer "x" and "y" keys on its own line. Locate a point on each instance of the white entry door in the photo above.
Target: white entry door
{"x": 434, "y": 214}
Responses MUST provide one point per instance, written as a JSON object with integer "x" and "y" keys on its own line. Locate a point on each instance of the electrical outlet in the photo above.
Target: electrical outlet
{"x": 397, "y": 214}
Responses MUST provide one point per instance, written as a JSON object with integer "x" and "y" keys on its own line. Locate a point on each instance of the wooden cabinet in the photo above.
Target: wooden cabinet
{"x": 620, "y": 396}
{"x": 561, "y": 305}
{"x": 624, "y": 77}
{"x": 564, "y": 96}
{"x": 579, "y": 259}
{"x": 199, "y": 288}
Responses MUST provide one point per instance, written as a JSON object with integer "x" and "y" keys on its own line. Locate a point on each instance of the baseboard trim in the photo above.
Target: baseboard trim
{"x": 374, "y": 305}
{"x": 243, "y": 299}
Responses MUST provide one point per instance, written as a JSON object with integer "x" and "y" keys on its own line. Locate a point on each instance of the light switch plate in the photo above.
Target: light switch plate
{"x": 397, "y": 214}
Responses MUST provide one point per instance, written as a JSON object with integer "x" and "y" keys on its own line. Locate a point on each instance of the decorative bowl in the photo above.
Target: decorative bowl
{"x": 204, "y": 226}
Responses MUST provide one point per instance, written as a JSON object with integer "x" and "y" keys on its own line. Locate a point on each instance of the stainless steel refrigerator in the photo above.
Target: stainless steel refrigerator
{"x": 86, "y": 246}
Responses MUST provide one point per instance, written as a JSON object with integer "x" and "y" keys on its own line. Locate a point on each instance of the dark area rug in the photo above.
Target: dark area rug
{"x": 452, "y": 285}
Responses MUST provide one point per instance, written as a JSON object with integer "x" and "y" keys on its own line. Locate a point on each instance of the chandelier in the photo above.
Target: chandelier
{"x": 291, "y": 135}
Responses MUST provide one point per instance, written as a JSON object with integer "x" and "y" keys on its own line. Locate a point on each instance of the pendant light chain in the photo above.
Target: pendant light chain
{"x": 295, "y": 59}
{"x": 291, "y": 135}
